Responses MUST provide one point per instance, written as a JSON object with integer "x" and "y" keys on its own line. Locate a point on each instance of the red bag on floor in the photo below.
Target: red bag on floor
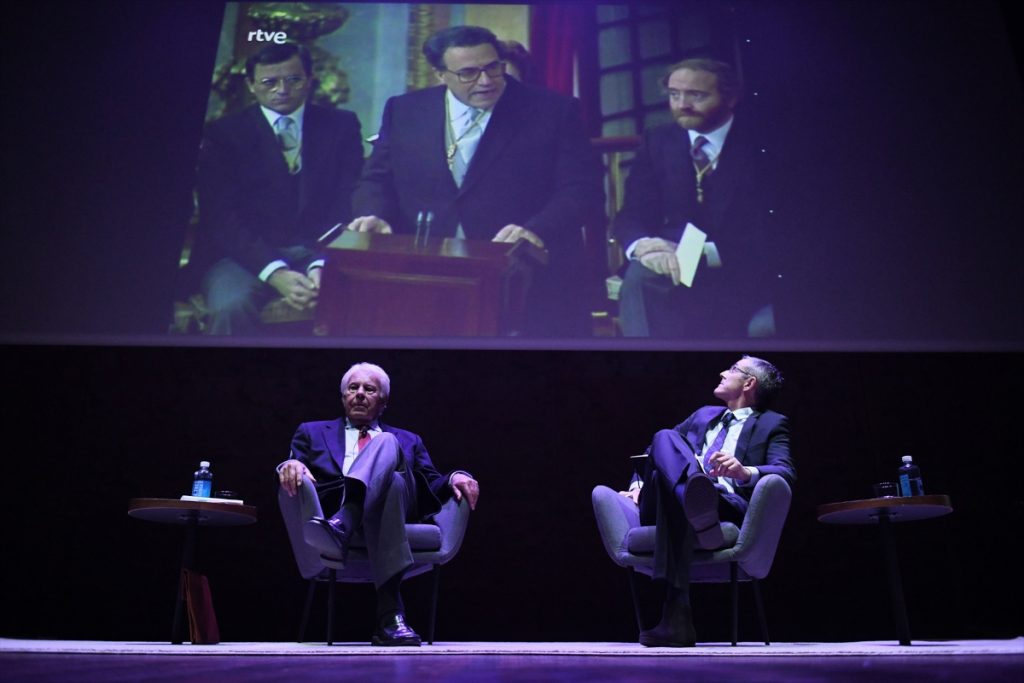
{"x": 202, "y": 621}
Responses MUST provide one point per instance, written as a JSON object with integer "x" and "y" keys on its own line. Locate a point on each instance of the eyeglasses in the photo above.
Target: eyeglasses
{"x": 274, "y": 83}
{"x": 691, "y": 96}
{"x": 472, "y": 74}
{"x": 737, "y": 368}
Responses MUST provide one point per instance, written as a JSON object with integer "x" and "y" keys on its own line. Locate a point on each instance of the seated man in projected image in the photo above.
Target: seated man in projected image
{"x": 272, "y": 179}
{"x": 490, "y": 158}
{"x": 354, "y": 462}
{"x": 703, "y": 169}
{"x": 703, "y": 471}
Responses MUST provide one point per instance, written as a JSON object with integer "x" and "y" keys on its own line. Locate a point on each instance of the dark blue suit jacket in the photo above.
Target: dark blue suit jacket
{"x": 763, "y": 443}
{"x": 249, "y": 204}
{"x": 739, "y": 214}
{"x": 320, "y": 446}
{"x": 534, "y": 167}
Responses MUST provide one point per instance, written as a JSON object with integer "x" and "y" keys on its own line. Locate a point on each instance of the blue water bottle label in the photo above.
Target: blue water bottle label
{"x": 905, "y": 485}
{"x": 201, "y": 488}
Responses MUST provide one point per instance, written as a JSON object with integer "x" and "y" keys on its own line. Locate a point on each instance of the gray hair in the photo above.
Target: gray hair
{"x": 769, "y": 380}
{"x": 375, "y": 370}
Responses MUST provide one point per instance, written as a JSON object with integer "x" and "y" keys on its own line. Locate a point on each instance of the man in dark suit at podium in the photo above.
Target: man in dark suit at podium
{"x": 272, "y": 178}
{"x": 704, "y": 470}
{"x": 488, "y": 158}
{"x": 356, "y": 462}
{"x": 707, "y": 168}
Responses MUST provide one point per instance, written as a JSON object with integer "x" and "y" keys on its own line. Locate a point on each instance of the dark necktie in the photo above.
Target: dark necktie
{"x": 700, "y": 155}
{"x": 701, "y": 164}
{"x": 719, "y": 441}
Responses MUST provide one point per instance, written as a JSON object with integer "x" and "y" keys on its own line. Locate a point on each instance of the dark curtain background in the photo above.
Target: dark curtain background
{"x": 89, "y": 428}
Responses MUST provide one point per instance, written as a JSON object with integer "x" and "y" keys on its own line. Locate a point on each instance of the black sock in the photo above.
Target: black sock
{"x": 389, "y": 599}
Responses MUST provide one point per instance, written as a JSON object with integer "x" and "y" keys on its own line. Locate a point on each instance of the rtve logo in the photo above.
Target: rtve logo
{"x": 261, "y": 36}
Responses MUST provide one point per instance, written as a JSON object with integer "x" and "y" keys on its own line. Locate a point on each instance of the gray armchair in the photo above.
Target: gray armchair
{"x": 432, "y": 546}
{"x": 747, "y": 554}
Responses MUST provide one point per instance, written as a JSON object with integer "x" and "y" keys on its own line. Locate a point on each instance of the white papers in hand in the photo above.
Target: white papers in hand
{"x": 689, "y": 251}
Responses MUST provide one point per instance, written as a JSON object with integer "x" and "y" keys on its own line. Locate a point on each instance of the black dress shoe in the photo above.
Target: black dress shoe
{"x": 674, "y": 630}
{"x": 327, "y": 536}
{"x": 700, "y": 504}
{"x": 394, "y": 631}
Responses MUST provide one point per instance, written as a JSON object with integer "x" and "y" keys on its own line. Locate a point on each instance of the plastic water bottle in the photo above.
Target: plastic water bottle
{"x": 910, "y": 478}
{"x": 202, "y": 480}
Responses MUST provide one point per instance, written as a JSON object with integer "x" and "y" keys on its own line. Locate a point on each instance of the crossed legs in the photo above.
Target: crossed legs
{"x": 682, "y": 503}
{"x": 376, "y": 499}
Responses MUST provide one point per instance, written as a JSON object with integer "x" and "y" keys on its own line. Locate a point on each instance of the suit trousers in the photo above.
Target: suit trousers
{"x": 670, "y": 462}
{"x": 651, "y": 306}
{"x": 234, "y": 296}
{"x": 379, "y": 467}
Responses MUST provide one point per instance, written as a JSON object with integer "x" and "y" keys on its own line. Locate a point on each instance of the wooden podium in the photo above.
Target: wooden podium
{"x": 399, "y": 285}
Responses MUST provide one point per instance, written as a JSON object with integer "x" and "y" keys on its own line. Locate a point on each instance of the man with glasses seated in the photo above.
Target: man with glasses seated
{"x": 703, "y": 471}
{"x": 272, "y": 179}
{"x": 706, "y": 168}
{"x": 488, "y": 158}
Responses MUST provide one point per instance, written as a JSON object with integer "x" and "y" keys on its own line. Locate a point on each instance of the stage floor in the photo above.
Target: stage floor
{"x": 877, "y": 648}
{"x": 978, "y": 661}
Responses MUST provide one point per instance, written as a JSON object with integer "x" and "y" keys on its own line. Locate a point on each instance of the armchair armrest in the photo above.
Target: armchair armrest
{"x": 295, "y": 510}
{"x": 616, "y": 515}
{"x": 762, "y": 525}
{"x": 452, "y": 519}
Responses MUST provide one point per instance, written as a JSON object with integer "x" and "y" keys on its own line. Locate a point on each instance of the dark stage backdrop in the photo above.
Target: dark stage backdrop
{"x": 88, "y": 428}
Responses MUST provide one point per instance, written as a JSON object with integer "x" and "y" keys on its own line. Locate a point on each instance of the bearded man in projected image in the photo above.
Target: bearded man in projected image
{"x": 704, "y": 169}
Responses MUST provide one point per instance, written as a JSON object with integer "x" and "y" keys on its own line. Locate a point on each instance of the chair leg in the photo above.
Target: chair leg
{"x": 333, "y": 578}
{"x": 433, "y": 603}
{"x": 305, "y": 610}
{"x": 633, "y": 590}
{"x": 755, "y": 584}
{"x": 735, "y": 585}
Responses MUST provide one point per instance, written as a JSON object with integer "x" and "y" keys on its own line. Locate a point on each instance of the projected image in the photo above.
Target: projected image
{"x": 530, "y": 171}
{"x": 640, "y": 175}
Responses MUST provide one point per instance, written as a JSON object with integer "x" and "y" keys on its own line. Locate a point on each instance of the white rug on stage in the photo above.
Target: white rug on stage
{"x": 859, "y": 649}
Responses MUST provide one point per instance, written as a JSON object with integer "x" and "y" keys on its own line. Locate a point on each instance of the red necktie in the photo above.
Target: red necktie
{"x": 364, "y": 438}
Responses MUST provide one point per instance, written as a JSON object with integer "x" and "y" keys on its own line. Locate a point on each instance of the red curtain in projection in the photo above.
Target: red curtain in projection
{"x": 558, "y": 44}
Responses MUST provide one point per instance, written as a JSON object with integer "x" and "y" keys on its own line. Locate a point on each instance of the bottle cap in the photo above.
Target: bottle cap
{"x": 204, "y": 463}
{"x": 906, "y": 458}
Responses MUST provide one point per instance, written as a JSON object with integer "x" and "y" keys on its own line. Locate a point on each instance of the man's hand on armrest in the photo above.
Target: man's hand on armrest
{"x": 465, "y": 485}
{"x": 290, "y": 474}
